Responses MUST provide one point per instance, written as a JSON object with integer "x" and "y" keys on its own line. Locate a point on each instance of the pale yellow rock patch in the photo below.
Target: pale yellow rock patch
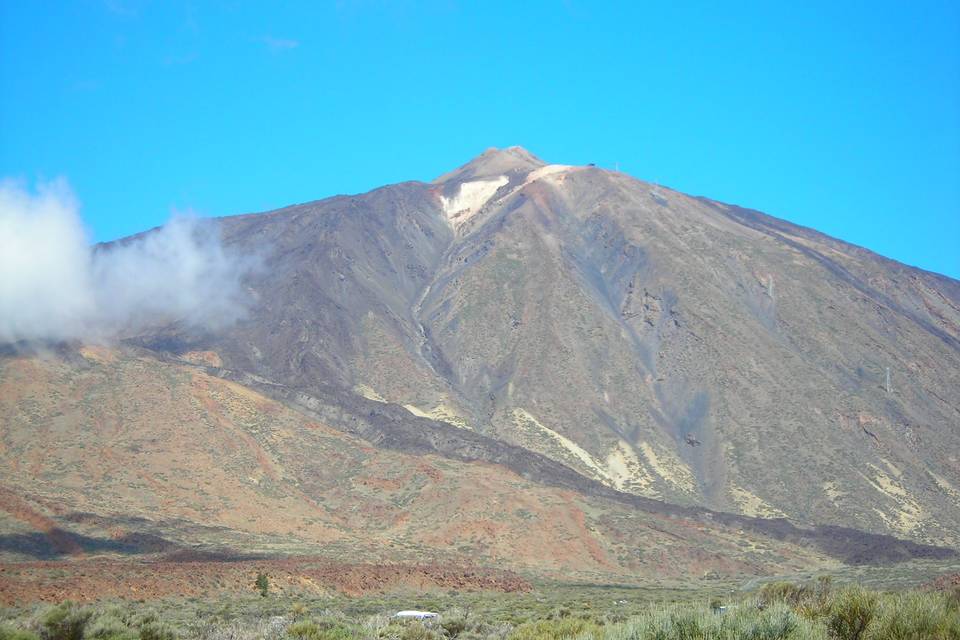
{"x": 626, "y": 472}
{"x": 440, "y": 412}
{"x": 753, "y": 505}
{"x": 369, "y": 393}
{"x": 669, "y": 468}
{"x": 830, "y": 488}
{"x": 534, "y": 430}
{"x": 98, "y": 353}
{"x": 945, "y": 485}
{"x": 908, "y": 513}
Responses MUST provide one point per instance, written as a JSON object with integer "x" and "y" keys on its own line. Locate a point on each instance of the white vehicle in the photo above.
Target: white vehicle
{"x": 416, "y": 615}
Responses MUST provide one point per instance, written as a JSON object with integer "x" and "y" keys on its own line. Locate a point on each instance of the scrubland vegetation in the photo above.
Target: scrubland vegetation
{"x": 778, "y": 611}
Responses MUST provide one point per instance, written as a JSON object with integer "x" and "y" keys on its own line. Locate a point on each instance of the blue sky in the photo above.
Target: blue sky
{"x": 840, "y": 116}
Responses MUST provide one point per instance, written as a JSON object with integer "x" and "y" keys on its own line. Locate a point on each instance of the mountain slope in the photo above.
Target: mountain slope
{"x": 670, "y": 346}
{"x": 562, "y": 369}
{"x": 115, "y": 451}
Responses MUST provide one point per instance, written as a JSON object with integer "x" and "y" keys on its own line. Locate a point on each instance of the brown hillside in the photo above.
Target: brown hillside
{"x": 111, "y": 445}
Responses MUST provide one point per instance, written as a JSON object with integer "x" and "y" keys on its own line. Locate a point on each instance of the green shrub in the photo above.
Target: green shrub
{"x": 155, "y": 630}
{"x": 850, "y": 612}
{"x": 304, "y": 630}
{"x": 408, "y": 630}
{"x": 453, "y": 626}
{"x": 298, "y": 610}
{"x": 786, "y": 592}
{"x": 778, "y": 622}
{"x": 824, "y": 585}
{"x": 565, "y": 627}
{"x": 775, "y": 624}
{"x": 916, "y": 616}
{"x": 262, "y": 583}
{"x": 486, "y": 632}
{"x": 951, "y": 598}
{"x": 319, "y": 630}
{"x": 109, "y": 626}
{"x": 65, "y": 621}
{"x": 9, "y": 632}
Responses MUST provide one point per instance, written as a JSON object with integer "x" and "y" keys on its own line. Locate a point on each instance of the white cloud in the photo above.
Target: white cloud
{"x": 55, "y": 286}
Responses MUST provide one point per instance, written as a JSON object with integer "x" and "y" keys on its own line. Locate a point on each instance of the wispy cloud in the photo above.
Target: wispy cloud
{"x": 276, "y": 45}
{"x": 54, "y": 286}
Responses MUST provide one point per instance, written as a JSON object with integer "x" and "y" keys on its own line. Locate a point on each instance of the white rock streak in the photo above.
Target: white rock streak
{"x": 470, "y": 198}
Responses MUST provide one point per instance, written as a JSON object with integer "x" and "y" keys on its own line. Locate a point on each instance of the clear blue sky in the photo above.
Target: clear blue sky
{"x": 844, "y": 116}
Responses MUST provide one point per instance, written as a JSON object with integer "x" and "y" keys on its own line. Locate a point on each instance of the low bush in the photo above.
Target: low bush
{"x": 110, "y": 626}
{"x": 776, "y": 622}
{"x": 788, "y": 593}
{"x": 850, "y": 613}
{"x": 319, "y": 630}
{"x": 156, "y": 630}
{"x": 559, "y": 628}
{"x": 65, "y": 621}
{"x": 915, "y": 616}
{"x": 409, "y": 630}
{"x": 9, "y": 632}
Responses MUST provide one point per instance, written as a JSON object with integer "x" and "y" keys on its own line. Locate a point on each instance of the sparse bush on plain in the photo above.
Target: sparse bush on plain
{"x": 65, "y": 621}
{"x": 110, "y": 626}
{"x": 298, "y": 610}
{"x": 156, "y": 630}
{"x": 780, "y": 611}
{"x": 262, "y": 583}
{"x": 304, "y": 630}
{"x": 850, "y": 613}
{"x": 915, "y": 616}
{"x": 454, "y": 625}
{"x": 322, "y": 629}
{"x": 776, "y": 622}
{"x": 787, "y": 592}
{"x": 564, "y": 627}
{"x": 10, "y": 632}
{"x": 409, "y": 630}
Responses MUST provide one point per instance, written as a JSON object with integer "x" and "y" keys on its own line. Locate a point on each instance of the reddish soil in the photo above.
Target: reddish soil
{"x": 947, "y": 582}
{"x": 88, "y": 580}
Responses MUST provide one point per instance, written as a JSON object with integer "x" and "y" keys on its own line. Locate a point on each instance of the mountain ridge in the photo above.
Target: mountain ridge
{"x": 596, "y": 334}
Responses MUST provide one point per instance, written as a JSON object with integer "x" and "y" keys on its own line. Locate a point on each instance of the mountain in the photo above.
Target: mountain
{"x": 517, "y": 352}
